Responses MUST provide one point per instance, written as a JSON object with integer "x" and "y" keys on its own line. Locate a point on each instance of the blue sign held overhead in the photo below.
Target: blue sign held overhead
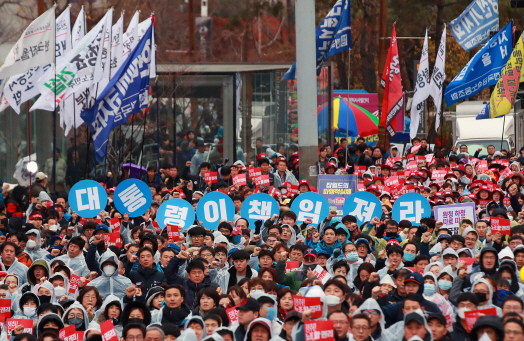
{"x": 310, "y": 205}
{"x": 132, "y": 196}
{"x": 412, "y": 207}
{"x": 259, "y": 206}
{"x": 87, "y": 198}
{"x": 175, "y": 212}
{"x": 213, "y": 207}
{"x": 364, "y": 206}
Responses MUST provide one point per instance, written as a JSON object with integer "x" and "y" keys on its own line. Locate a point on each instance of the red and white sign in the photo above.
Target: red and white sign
{"x": 502, "y": 162}
{"x": 483, "y": 204}
{"x": 112, "y": 239}
{"x": 291, "y": 189}
{"x": 407, "y": 189}
{"x": 232, "y": 314}
{"x": 359, "y": 170}
{"x": 322, "y": 274}
{"x": 211, "y": 177}
{"x": 319, "y": 330}
{"x": 273, "y": 191}
{"x": 115, "y": 223}
{"x": 506, "y": 201}
{"x": 12, "y": 323}
{"x": 439, "y": 174}
{"x": 416, "y": 148}
{"x": 173, "y": 232}
{"x": 292, "y": 265}
{"x": 73, "y": 283}
{"x": 302, "y": 303}
{"x": 411, "y": 166}
{"x": 500, "y": 225}
{"x": 392, "y": 181}
{"x": 239, "y": 179}
{"x": 264, "y": 180}
{"x": 108, "y": 331}
{"x": 66, "y": 332}
{"x": 254, "y": 172}
{"x": 429, "y": 158}
{"x": 506, "y": 172}
{"x": 482, "y": 165}
{"x": 472, "y": 316}
{"x": 5, "y": 309}
{"x": 157, "y": 228}
{"x": 468, "y": 261}
{"x": 420, "y": 158}
{"x": 473, "y": 161}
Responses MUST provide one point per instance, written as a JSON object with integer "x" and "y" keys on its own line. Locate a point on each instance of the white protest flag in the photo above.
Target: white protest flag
{"x": 21, "y": 88}
{"x": 116, "y": 54}
{"x": 105, "y": 61}
{"x": 79, "y": 28}
{"x": 421, "y": 89}
{"x": 67, "y": 115}
{"x": 77, "y": 69}
{"x": 438, "y": 76}
{"x": 131, "y": 36}
{"x": 34, "y": 48}
{"x": 142, "y": 29}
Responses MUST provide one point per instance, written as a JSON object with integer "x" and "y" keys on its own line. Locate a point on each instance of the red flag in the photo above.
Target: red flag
{"x": 393, "y": 101}
{"x": 108, "y": 331}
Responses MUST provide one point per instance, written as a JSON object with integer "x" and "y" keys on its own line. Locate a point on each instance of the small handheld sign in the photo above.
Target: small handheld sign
{"x": 214, "y": 207}
{"x": 132, "y": 196}
{"x": 175, "y": 212}
{"x": 87, "y": 198}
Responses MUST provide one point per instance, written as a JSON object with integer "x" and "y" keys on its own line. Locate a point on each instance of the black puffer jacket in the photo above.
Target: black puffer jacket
{"x": 146, "y": 279}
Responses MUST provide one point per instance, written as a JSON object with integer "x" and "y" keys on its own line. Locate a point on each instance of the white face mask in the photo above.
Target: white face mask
{"x": 109, "y": 270}
{"x": 59, "y": 292}
{"x": 461, "y": 311}
{"x": 29, "y": 311}
{"x": 332, "y": 300}
{"x": 53, "y": 228}
{"x": 30, "y": 244}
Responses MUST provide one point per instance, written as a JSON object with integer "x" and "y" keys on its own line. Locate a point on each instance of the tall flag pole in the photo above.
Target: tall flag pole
{"x": 421, "y": 89}
{"x": 438, "y": 77}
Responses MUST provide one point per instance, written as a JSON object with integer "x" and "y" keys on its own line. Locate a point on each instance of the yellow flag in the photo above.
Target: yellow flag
{"x": 505, "y": 91}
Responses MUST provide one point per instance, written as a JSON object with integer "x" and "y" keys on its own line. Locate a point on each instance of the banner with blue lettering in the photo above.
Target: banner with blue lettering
{"x": 126, "y": 93}
{"x": 472, "y": 27}
{"x": 336, "y": 189}
{"x": 483, "y": 69}
{"x": 333, "y": 35}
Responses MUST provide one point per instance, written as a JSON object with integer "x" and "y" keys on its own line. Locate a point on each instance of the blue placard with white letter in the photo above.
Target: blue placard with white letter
{"x": 213, "y": 207}
{"x": 472, "y": 27}
{"x": 132, "y": 196}
{"x": 483, "y": 69}
{"x": 412, "y": 207}
{"x": 310, "y": 205}
{"x": 364, "y": 206}
{"x": 175, "y": 212}
{"x": 259, "y": 206}
{"x": 87, "y": 198}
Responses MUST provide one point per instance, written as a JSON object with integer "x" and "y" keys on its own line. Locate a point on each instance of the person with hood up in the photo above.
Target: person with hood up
{"x": 431, "y": 294}
{"x": 197, "y": 324}
{"x": 259, "y": 330}
{"x": 36, "y": 272}
{"x": 28, "y": 305}
{"x": 61, "y": 286}
{"x": 490, "y": 325}
{"x": 49, "y": 322}
{"x": 445, "y": 281}
{"x": 110, "y": 282}
{"x": 45, "y": 292}
{"x": 482, "y": 288}
{"x": 294, "y": 279}
{"x": 33, "y": 247}
{"x": 371, "y": 308}
{"x": 147, "y": 274}
{"x": 488, "y": 265}
{"x": 111, "y": 310}
{"x": 416, "y": 327}
{"x": 76, "y": 315}
{"x": 155, "y": 298}
{"x": 508, "y": 271}
{"x": 175, "y": 310}
{"x": 75, "y": 257}
{"x": 471, "y": 240}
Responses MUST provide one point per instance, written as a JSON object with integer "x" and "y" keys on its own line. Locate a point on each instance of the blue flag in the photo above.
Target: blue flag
{"x": 126, "y": 93}
{"x": 333, "y": 35}
{"x": 483, "y": 69}
{"x": 472, "y": 27}
{"x": 484, "y": 113}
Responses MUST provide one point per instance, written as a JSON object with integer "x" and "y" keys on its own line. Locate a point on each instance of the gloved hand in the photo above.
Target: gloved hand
{"x": 336, "y": 253}
{"x": 420, "y": 230}
{"x": 258, "y": 225}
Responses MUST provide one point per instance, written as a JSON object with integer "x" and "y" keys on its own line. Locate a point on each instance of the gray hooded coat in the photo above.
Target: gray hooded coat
{"x": 36, "y": 252}
{"x": 115, "y": 284}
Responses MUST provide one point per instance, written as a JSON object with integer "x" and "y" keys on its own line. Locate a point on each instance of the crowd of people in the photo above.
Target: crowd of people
{"x": 383, "y": 280}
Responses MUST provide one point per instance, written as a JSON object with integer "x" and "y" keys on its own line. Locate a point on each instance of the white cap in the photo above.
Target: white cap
{"x": 388, "y": 280}
{"x": 506, "y": 252}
